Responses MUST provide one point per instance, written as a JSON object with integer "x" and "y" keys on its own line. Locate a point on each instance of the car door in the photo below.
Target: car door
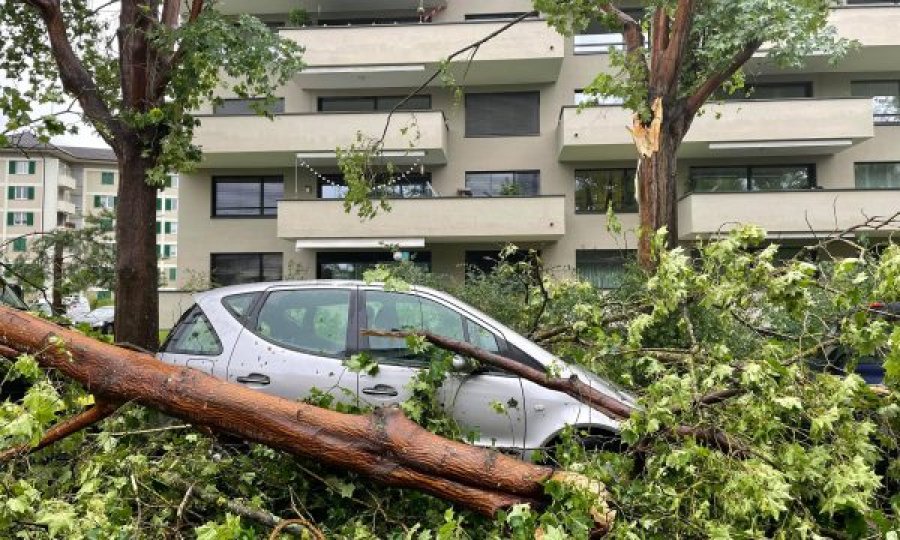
{"x": 488, "y": 403}
{"x": 194, "y": 343}
{"x": 295, "y": 341}
{"x": 469, "y": 398}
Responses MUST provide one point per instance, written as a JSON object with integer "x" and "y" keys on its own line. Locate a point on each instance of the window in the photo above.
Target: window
{"x": 604, "y": 268}
{"x": 504, "y": 183}
{"x": 390, "y": 311}
{"x": 166, "y": 251}
{"x": 239, "y": 107}
{"x": 14, "y": 219}
{"x": 20, "y": 193}
{"x": 753, "y": 178}
{"x": 597, "y": 37}
{"x": 332, "y": 186}
{"x": 236, "y": 268}
{"x": 585, "y": 98}
{"x": 353, "y": 265}
{"x": 239, "y": 304}
{"x": 481, "y": 337}
{"x": 771, "y": 91}
{"x": 105, "y": 201}
{"x": 171, "y": 227}
{"x": 512, "y": 114}
{"x": 194, "y": 335}
{"x": 172, "y": 181}
{"x": 107, "y": 178}
{"x": 310, "y": 320}
{"x": 173, "y": 274}
{"x": 885, "y": 99}
{"x": 19, "y": 245}
{"x": 374, "y": 103}
{"x": 247, "y": 196}
{"x": 598, "y": 189}
{"x": 877, "y": 175}
{"x": 158, "y": 227}
{"x": 22, "y": 167}
{"x": 497, "y": 16}
{"x": 171, "y": 205}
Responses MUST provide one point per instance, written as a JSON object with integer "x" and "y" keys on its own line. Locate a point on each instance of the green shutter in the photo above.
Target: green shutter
{"x": 158, "y": 228}
{"x": 20, "y": 245}
{"x": 168, "y": 205}
{"x": 173, "y": 274}
{"x": 107, "y": 179}
{"x": 12, "y": 167}
{"x": 31, "y": 194}
{"x": 158, "y": 204}
{"x": 97, "y": 201}
{"x": 29, "y": 218}
{"x": 11, "y": 193}
{"x": 32, "y": 167}
{"x": 115, "y": 201}
{"x": 9, "y": 218}
{"x": 168, "y": 227}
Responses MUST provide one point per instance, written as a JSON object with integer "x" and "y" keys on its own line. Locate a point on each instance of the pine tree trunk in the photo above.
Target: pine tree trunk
{"x": 137, "y": 300}
{"x": 657, "y": 193}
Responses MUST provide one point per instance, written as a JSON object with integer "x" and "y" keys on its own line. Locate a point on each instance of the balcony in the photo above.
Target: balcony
{"x": 254, "y": 141}
{"x": 785, "y": 214}
{"x": 414, "y": 222}
{"x": 67, "y": 182}
{"x": 404, "y": 55}
{"x": 874, "y": 27}
{"x": 729, "y": 129}
{"x": 65, "y": 207}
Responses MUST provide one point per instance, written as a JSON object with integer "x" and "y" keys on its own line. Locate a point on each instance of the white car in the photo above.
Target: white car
{"x": 101, "y": 319}
{"x": 288, "y": 338}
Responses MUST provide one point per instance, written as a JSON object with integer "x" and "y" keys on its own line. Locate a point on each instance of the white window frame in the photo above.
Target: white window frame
{"x": 19, "y": 164}
{"x": 20, "y": 193}
{"x": 20, "y": 219}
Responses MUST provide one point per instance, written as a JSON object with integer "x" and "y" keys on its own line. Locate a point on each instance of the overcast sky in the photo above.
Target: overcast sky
{"x": 86, "y": 135}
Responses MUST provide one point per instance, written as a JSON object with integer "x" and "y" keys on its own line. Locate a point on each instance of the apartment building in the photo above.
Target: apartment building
{"x": 46, "y": 186}
{"x": 512, "y": 159}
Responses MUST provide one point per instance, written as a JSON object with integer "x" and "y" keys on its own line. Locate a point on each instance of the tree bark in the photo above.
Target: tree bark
{"x": 383, "y": 445}
{"x": 657, "y": 192}
{"x": 57, "y": 308}
{"x": 137, "y": 300}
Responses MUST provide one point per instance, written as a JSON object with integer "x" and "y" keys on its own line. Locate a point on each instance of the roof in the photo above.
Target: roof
{"x": 27, "y": 141}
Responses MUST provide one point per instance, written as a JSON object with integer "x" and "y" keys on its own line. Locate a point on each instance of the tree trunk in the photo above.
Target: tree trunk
{"x": 383, "y": 445}
{"x": 57, "y": 308}
{"x": 658, "y": 192}
{"x": 137, "y": 300}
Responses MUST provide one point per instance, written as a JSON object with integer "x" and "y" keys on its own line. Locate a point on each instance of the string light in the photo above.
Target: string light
{"x": 395, "y": 178}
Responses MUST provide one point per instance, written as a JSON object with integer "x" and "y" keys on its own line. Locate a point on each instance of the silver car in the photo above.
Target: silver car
{"x": 289, "y": 338}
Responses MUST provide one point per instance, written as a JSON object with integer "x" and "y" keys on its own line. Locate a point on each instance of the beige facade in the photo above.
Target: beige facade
{"x": 46, "y": 186}
{"x": 827, "y": 131}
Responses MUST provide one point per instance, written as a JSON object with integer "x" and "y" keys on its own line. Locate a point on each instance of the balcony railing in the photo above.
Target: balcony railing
{"x": 788, "y": 214}
{"x": 399, "y": 55}
{"x": 733, "y": 128}
{"x": 241, "y": 141}
{"x": 437, "y": 219}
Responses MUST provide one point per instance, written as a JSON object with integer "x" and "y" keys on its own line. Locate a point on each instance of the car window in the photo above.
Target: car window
{"x": 310, "y": 320}
{"x": 194, "y": 335}
{"x": 239, "y": 304}
{"x": 389, "y": 311}
{"x": 481, "y": 337}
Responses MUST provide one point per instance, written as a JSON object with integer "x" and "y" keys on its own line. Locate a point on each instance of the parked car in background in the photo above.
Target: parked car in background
{"x": 870, "y": 367}
{"x": 288, "y": 338}
{"x": 101, "y": 319}
{"x": 11, "y": 296}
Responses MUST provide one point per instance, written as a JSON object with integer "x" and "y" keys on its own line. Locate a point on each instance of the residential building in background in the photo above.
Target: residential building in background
{"x": 46, "y": 186}
{"x": 514, "y": 160}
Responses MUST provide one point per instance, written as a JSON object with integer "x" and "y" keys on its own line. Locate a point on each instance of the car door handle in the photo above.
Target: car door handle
{"x": 380, "y": 390}
{"x": 254, "y": 378}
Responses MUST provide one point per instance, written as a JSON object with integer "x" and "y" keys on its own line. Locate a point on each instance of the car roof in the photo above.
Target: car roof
{"x": 230, "y": 290}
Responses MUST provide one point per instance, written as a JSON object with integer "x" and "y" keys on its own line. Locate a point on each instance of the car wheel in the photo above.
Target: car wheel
{"x": 591, "y": 440}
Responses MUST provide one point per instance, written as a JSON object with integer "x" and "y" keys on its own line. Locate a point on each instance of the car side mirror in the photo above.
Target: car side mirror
{"x": 460, "y": 363}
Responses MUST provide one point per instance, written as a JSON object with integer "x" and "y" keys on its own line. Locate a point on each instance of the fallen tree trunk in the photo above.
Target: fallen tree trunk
{"x": 383, "y": 445}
